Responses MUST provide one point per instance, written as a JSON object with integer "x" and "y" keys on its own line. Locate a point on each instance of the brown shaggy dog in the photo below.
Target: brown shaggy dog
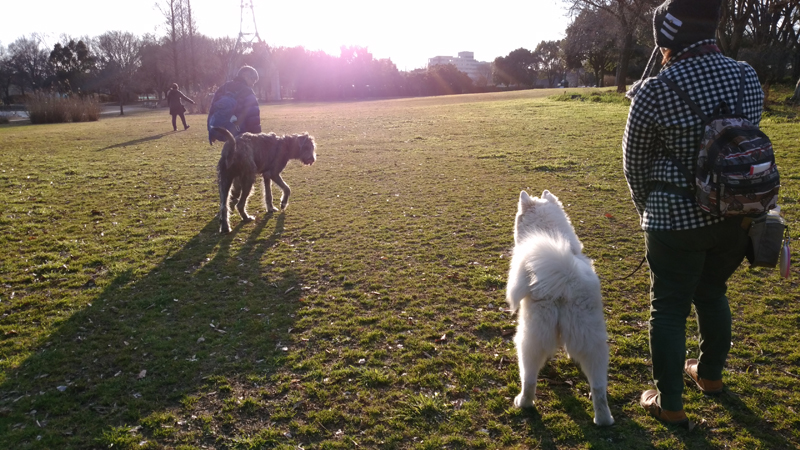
{"x": 249, "y": 155}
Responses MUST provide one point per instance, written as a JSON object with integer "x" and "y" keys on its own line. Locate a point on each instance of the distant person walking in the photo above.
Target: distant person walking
{"x": 235, "y": 106}
{"x": 176, "y": 108}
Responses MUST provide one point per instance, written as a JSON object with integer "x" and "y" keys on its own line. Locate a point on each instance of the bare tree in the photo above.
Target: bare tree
{"x": 119, "y": 55}
{"x": 181, "y": 32}
{"x": 29, "y": 62}
{"x": 630, "y": 16}
{"x": 191, "y": 27}
{"x": 734, "y": 18}
{"x": 171, "y": 9}
{"x": 773, "y": 39}
{"x": 154, "y": 69}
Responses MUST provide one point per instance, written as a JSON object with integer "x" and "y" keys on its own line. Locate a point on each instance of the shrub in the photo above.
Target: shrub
{"x": 3, "y": 120}
{"x": 595, "y": 97}
{"x": 48, "y": 108}
{"x": 43, "y": 108}
{"x": 202, "y": 102}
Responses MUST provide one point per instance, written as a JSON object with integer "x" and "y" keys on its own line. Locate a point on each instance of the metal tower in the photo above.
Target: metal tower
{"x": 248, "y": 35}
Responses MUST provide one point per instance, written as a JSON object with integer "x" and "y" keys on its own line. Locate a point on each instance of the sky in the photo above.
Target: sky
{"x": 407, "y": 31}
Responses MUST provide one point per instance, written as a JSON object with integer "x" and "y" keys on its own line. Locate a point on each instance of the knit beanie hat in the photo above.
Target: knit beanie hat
{"x": 678, "y": 24}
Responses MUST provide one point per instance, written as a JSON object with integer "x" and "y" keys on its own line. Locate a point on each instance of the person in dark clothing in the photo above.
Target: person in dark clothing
{"x": 691, "y": 254}
{"x": 235, "y": 106}
{"x": 176, "y": 108}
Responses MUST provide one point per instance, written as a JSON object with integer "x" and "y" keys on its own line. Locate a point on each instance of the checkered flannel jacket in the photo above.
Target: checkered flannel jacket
{"x": 659, "y": 121}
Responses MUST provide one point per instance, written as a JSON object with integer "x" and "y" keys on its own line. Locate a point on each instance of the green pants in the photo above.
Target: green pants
{"x": 691, "y": 267}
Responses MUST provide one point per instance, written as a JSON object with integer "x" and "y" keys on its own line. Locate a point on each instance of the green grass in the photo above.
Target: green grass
{"x": 369, "y": 314}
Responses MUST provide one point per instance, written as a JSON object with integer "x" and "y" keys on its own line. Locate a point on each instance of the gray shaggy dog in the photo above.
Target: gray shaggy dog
{"x": 248, "y": 155}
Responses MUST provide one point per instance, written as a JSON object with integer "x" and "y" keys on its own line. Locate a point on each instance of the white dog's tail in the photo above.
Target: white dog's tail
{"x": 541, "y": 268}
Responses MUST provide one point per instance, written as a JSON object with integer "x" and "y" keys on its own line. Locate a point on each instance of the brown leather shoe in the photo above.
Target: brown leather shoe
{"x": 649, "y": 402}
{"x": 706, "y": 386}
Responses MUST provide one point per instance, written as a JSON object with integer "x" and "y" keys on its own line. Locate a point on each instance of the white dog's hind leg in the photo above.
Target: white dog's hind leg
{"x": 595, "y": 366}
{"x": 587, "y": 346}
{"x": 536, "y": 341}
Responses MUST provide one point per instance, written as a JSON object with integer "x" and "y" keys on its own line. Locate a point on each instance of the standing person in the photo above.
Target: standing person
{"x": 176, "y": 108}
{"x": 235, "y": 106}
{"x": 691, "y": 254}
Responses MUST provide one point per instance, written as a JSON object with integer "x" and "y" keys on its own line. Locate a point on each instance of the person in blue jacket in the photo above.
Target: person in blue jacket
{"x": 235, "y": 106}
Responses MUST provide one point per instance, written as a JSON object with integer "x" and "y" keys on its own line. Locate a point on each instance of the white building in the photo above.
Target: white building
{"x": 465, "y": 62}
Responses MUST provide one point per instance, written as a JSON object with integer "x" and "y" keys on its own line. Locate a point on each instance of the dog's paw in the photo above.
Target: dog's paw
{"x": 522, "y": 402}
{"x": 248, "y": 218}
{"x": 283, "y": 206}
{"x": 224, "y": 229}
{"x": 602, "y": 413}
{"x": 604, "y": 420}
{"x": 271, "y": 209}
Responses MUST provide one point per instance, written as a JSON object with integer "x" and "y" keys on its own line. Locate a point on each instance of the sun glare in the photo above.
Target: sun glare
{"x": 407, "y": 32}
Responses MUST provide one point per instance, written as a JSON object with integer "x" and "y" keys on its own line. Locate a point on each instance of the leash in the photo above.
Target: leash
{"x": 634, "y": 270}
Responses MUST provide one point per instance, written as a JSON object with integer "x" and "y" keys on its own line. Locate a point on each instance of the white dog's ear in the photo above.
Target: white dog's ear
{"x": 547, "y": 195}
{"x": 524, "y": 201}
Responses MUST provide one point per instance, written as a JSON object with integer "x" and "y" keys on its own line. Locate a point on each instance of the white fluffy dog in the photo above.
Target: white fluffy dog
{"x": 557, "y": 292}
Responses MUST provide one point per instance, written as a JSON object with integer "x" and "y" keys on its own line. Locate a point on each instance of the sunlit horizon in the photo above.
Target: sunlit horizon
{"x": 406, "y": 32}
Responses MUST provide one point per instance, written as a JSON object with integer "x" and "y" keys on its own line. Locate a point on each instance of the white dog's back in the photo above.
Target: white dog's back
{"x": 545, "y": 269}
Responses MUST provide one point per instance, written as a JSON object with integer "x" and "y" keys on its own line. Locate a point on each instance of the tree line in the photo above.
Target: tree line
{"x": 605, "y": 37}
{"x": 615, "y": 37}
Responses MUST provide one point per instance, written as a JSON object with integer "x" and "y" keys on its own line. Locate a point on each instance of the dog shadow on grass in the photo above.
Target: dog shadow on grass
{"x": 135, "y": 142}
{"x": 149, "y": 341}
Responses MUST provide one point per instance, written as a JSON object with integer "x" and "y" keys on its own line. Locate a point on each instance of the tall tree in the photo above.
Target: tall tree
{"x": 72, "y": 62}
{"x": 173, "y": 18}
{"x": 154, "y": 70}
{"x": 591, "y": 43}
{"x": 119, "y": 55}
{"x": 6, "y": 74}
{"x": 551, "y": 61}
{"x": 517, "y": 68}
{"x": 446, "y": 79}
{"x": 191, "y": 28}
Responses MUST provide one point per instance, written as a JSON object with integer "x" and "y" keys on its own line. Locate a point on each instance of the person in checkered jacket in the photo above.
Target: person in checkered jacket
{"x": 691, "y": 254}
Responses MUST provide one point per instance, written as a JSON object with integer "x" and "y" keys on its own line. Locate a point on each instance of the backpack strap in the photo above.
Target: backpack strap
{"x": 685, "y": 97}
{"x": 740, "y": 97}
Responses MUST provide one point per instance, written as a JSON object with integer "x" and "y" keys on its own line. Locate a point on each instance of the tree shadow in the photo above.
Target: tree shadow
{"x": 148, "y": 341}
{"x": 135, "y": 142}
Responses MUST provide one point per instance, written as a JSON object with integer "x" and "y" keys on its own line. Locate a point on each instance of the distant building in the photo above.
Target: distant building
{"x": 465, "y": 62}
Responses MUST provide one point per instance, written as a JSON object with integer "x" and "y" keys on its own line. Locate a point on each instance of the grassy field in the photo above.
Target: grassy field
{"x": 369, "y": 314}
